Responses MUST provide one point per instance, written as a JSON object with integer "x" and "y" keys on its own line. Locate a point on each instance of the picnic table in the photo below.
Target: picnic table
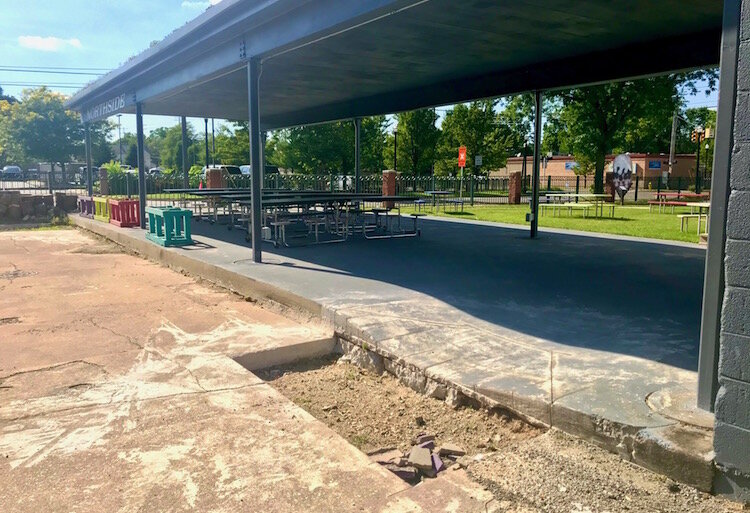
{"x": 681, "y": 194}
{"x": 666, "y": 199}
{"x": 436, "y": 196}
{"x": 703, "y": 208}
{"x": 340, "y": 215}
{"x": 564, "y": 200}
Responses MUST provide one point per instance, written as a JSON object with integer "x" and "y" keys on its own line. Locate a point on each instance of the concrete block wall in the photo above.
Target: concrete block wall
{"x": 732, "y": 430}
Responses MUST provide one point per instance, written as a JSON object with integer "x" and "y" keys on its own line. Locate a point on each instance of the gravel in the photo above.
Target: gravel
{"x": 375, "y": 412}
{"x": 526, "y": 469}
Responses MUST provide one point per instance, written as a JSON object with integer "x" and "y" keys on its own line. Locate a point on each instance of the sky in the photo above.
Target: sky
{"x": 101, "y": 34}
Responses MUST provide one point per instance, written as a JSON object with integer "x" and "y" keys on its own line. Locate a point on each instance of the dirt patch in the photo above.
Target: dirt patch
{"x": 97, "y": 249}
{"x": 15, "y": 274}
{"x": 527, "y": 470}
{"x": 376, "y": 412}
{"x": 9, "y": 320}
{"x": 560, "y": 474}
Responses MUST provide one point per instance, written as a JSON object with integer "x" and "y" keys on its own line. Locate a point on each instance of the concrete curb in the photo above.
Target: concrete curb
{"x": 679, "y": 451}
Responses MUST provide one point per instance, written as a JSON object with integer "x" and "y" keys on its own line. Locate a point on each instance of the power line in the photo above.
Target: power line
{"x": 39, "y": 84}
{"x": 66, "y": 68}
{"x": 53, "y": 72}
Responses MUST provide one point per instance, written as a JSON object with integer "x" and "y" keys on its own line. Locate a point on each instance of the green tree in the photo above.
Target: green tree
{"x": 10, "y": 151}
{"x": 40, "y": 125}
{"x": 328, "y": 148}
{"x": 472, "y": 125}
{"x": 6, "y": 97}
{"x": 101, "y": 147}
{"x": 517, "y": 123}
{"x": 372, "y": 140}
{"x": 170, "y": 148}
{"x": 418, "y": 136}
{"x": 691, "y": 119}
{"x": 154, "y": 142}
{"x": 233, "y": 144}
{"x": 131, "y": 156}
{"x": 623, "y": 116}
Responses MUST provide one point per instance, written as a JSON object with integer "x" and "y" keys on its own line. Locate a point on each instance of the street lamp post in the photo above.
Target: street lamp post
{"x": 395, "y": 147}
{"x": 699, "y": 138}
{"x": 119, "y": 135}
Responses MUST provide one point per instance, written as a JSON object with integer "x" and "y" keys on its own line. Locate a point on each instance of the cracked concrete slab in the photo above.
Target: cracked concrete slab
{"x": 529, "y": 329}
{"x": 149, "y": 412}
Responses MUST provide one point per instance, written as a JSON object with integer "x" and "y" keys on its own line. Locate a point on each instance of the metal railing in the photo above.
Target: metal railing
{"x": 475, "y": 189}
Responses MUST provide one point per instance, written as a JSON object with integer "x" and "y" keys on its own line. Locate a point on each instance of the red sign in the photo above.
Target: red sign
{"x": 462, "y": 156}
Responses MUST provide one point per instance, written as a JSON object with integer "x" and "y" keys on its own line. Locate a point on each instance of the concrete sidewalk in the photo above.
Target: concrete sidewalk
{"x": 119, "y": 394}
{"x": 636, "y": 406}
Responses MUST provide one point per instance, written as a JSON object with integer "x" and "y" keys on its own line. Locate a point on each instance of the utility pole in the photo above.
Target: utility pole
{"x": 395, "y": 147}
{"x": 119, "y": 135}
{"x": 673, "y": 142}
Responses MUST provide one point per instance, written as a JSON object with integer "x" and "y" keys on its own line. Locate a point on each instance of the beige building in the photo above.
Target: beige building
{"x": 647, "y": 165}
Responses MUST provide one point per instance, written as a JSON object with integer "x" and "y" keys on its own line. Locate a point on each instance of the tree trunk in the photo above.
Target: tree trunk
{"x": 600, "y": 161}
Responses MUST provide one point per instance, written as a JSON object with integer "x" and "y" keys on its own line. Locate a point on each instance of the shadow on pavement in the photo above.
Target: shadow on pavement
{"x": 635, "y": 298}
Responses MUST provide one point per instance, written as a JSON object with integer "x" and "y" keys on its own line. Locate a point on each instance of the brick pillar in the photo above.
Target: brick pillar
{"x": 732, "y": 407}
{"x": 515, "y": 186}
{"x": 104, "y": 182}
{"x": 609, "y": 187}
{"x": 215, "y": 179}
{"x": 389, "y": 187}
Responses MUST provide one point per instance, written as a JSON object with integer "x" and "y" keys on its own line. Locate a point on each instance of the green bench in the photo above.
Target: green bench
{"x": 169, "y": 226}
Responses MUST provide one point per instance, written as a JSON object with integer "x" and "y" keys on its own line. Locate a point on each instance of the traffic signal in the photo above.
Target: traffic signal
{"x": 694, "y": 136}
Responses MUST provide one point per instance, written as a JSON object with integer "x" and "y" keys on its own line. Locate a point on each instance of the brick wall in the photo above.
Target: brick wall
{"x": 732, "y": 431}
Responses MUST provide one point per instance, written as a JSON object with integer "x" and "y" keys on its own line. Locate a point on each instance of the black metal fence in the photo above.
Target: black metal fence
{"x": 476, "y": 189}
{"x": 41, "y": 182}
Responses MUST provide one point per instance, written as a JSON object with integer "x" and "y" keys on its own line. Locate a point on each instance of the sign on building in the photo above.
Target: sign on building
{"x": 104, "y": 109}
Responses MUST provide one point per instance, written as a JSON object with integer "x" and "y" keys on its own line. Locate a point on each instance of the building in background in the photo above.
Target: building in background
{"x": 646, "y": 165}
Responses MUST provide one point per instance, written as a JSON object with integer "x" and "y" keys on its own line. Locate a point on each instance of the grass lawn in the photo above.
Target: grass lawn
{"x": 635, "y": 221}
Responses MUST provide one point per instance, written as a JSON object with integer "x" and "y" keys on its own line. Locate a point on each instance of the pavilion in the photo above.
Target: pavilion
{"x": 282, "y": 63}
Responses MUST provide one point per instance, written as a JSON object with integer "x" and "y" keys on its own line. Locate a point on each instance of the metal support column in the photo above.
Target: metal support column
{"x": 263, "y": 138}
{"x": 537, "y": 163}
{"x": 89, "y": 170}
{"x": 185, "y": 167}
{"x": 357, "y": 152}
{"x": 206, "y": 134}
{"x": 713, "y": 285}
{"x": 141, "y": 163}
{"x": 253, "y": 97}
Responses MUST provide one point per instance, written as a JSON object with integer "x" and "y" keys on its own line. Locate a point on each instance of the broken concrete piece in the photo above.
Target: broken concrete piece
{"x": 408, "y": 474}
{"x": 385, "y": 456}
{"x": 421, "y": 458}
{"x": 437, "y": 463}
{"x": 429, "y": 444}
{"x": 451, "y": 450}
{"x": 423, "y": 437}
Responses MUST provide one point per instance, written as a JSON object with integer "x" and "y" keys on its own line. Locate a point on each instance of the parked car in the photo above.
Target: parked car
{"x": 11, "y": 173}
{"x": 269, "y": 169}
{"x": 155, "y": 171}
